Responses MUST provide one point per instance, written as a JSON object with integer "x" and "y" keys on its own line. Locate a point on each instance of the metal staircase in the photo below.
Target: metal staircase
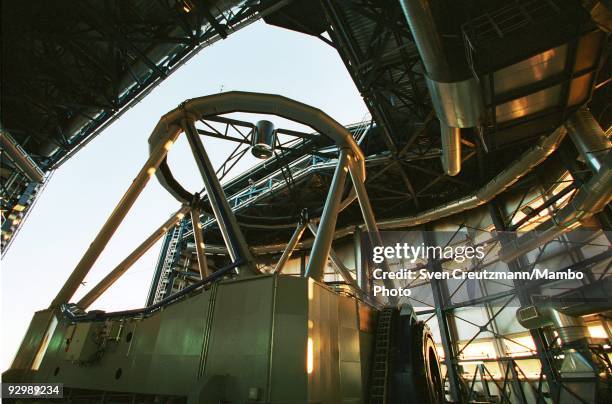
{"x": 380, "y": 369}
{"x": 168, "y": 264}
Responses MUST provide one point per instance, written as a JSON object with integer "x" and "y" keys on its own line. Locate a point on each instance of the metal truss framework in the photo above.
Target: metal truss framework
{"x": 511, "y": 386}
{"x": 281, "y": 174}
{"x": 377, "y": 48}
{"x": 81, "y": 75}
{"x": 111, "y": 49}
{"x": 379, "y": 52}
{"x": 514, "y": 379}
{"x": 182, "y": 119}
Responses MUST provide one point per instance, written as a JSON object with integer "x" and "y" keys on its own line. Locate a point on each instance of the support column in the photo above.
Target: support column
{"x": 360, "y": 266}
{"x": 324, "y": 237}
{"x": 199, "y": 241}
{"x": 302, "y": 263}
{"x": 232, "y": 235}
{"x": 369, "y": 219}
{"x": 112, "y": 223}
{"x": 120, "y": 269}
{"x": 539, "y": 340}
{"x": 441, "y": 297}
{"x": 295, "y": 238}
{"x": 336, "y": 261}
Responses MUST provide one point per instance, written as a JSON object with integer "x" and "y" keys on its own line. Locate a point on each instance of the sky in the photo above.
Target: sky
{"x": 85, "y": 189}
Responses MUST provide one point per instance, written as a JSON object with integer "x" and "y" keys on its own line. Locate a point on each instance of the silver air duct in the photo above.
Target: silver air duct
{"x": 589, "y": 138}
{"x": 572, "y": 333}
{"x": 580, "y": 370}
{"x": 451, "y": 149}
{"x": 525, "y": 163}
{"x": 569, "y": 328}
{"x": 528, "y": 160}
{"x": 591, "y": 198}
{"x": 455, "y": 94}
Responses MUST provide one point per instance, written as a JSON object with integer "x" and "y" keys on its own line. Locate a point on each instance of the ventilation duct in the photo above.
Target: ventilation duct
{"x": 591, "y": 197}
{"x": 525, "y": 163}
{"x": 455, "y": 94}
{"x": 580, "y": 369}
{"x": 572, "y": 334}
{"x": 589, "y": 138}
{"x": 451, "y": 149}
{"x": 570, "y": 329}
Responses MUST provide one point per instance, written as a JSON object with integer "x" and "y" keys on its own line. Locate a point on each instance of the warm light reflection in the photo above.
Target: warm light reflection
{"x": 310, "y": 289}
{"x": 310, "y": 356}
{"x": 597, "y": 331}
{"x": 478, "y": 350}
{"x": 517, "y": 346}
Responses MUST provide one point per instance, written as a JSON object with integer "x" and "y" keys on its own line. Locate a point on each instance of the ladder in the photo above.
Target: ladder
{"x": 166, "y": 270}
{"x": 380, "y": 366}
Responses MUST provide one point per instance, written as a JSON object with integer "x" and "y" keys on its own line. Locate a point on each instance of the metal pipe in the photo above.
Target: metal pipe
{"x": 295, "y": 238}
{"x": 590, "y": 199}
{"x": 360, "y": 268}
{"x": 108, "y": 229}
{"x": 569, "y": 328}
{"x": 369, "y": 219}
{"x": 455, "y": 94}
{"x": 525, "y": 163}
{"x": 451, "y": 149}
{"x": 427, "y": 38}
{"x": 325, "y": 235}
{"x": 199, "y": 241}
{"x": 336, "y": 261}
{"x": 590, "y": 140}
{"x": 232, "y": 235}
{"x": 20, "y": 157}
{"x": 126, "y": 264}
{"x": 364, "y": 203}
{"x": 342, "y": 269}
{"x": 232, "y": 101}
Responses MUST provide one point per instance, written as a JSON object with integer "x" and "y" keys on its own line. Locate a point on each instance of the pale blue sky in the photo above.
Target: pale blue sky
{"x": 83, "y": 192}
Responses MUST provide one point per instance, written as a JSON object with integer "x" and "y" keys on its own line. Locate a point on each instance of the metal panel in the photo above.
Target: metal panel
{"x": 288, "y": 376}
{"x": 529, "y": 104}
{"x": 334, "y": 329}
{"x": 350, "y": 350}
{"x": 33, "y": 339}
{"x": 144, "y": 352}
{"x": 323, "y": 330}
{"x": 579, "y": 89}
{"x": 240, "y": 340}
{"x": 539, "y": 67}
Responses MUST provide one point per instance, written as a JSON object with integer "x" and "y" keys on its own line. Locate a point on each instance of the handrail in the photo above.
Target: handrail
{"x": 69, "y": 312}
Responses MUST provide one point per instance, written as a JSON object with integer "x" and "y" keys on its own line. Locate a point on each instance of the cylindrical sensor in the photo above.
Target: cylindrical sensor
{"x": 263, "y": 140}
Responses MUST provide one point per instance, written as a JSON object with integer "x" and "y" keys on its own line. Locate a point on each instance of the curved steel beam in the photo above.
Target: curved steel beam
{"x": 237, "y": 101}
